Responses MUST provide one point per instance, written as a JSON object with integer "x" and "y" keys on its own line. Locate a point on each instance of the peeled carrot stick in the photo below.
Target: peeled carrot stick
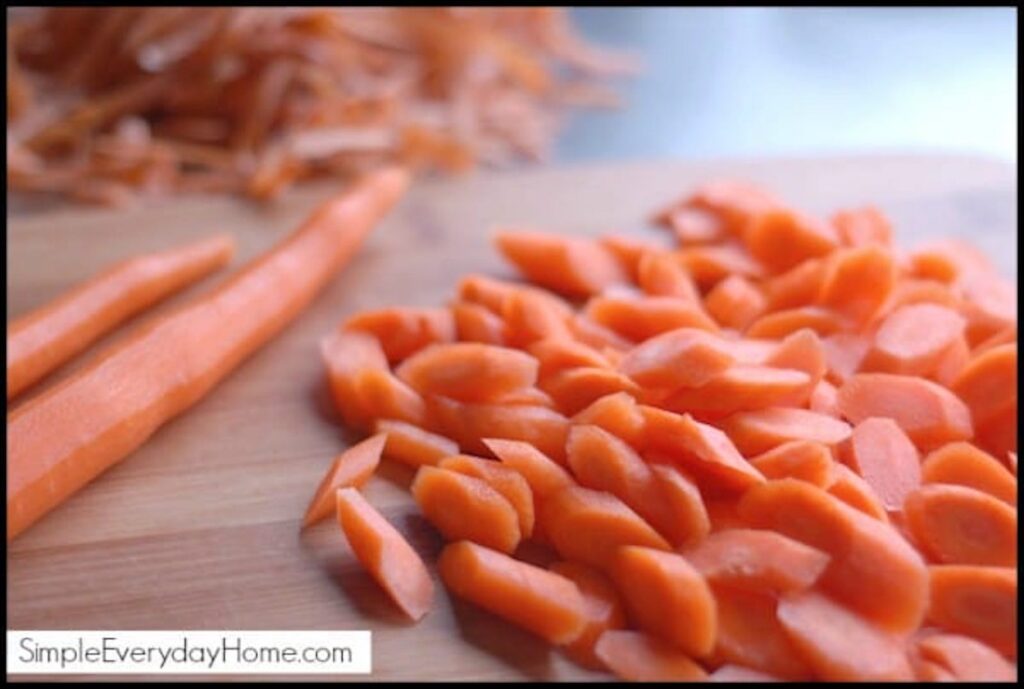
{"x": 602, "y": 605}
{"x": 404, "y": 331}
{"x": 512, "y": 486}
{"x": 735, "y": 302}
{"x": 758, "y": 431}
{"x": 928, "y": 413}
{"x": 346, "y": 355}
{"x": 639, "y": 318}
{"x": 45, "y": 338}
{"x": 637, "y": 657}
{"x": 961, "y": 525}
{"x": 840, "y": 645}
{"x": 780, "y": 239}
{"x": 660, "y": 275}
{"x": 686, "y": 357}
{"x": 468, "y": 424}
{"x": 988, "y": 383}
{"x": 352, "y": 468}
{"x": 570, "y": 265}
{"x": 758, "y": 561}
{"x": 862, "y": 226}
{"x": 980, "y": 602}
{"x": 575, "y": 389}
{"x": 529, "y": 317}
{"x": 855, "y": 492}
{"x": 618, "y": 414}
{"x": 741, "y": 387}
{"x": 883, "y": 455}
{"x": 872, "y": 569}
{"x": 965, "y": 465}
{"x": 778, "y": 324}
{"x": 798, "y": 286}
{"x": 101, "y": 414}
{"x": 858, "y": 281}
{"x": 709, "y": 265}
{"x": 464, "y": 507}
{"x": 967, "y": 659}
{"x": 557, "y": 354}
{"x": 468, "y": 371}
{"x": 475, "y": 323}
{"x": 412, "y": 445}
{"x": 385, "y": 553}
{"x": 800, "y": 459}
{"x": 912, "y": 339}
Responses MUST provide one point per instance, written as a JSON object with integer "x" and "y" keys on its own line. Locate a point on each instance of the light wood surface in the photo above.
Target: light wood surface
{"x": 199, "y": 528}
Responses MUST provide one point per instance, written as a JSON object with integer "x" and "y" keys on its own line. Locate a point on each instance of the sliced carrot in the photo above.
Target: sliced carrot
{"x": 965, "y": 465}
{"x": 844, "y": 353}
{"x": 735, "y": 204}
{"x": 603, "y": 462}
{"x": 778, "y": 324}
{"x": 352, "y": 468}
{"x": 738, "y": 673}
{"x": 839, "y": 644}
{"x": 781, "y": 238}
{"x": 491, "y": 293}
{"x": 468, "y": 371}
{"x": 990, "y": 305}
{"x": 346, "y": 356}
{"x": 723, "y": 512}
{"x": 590, "y": 332}
{"x": 507, "y": 481}
{"x": 557, "y": 354}
{"x": 41, "y": 340}
{"x": 464, "y": 507}
{"x": 858, "y": 281}
{"x": 529, "y": 317}
{"x": 1004, "y": 336}
{"x": 542, "y": 602}
{"x": 412, "y": 445}
{"x": 385, "y": 553}
{"x": 749, "y": 633}
{"x": 923, "y": 291}
{"x": 544, "y": 475}
{"x": 862, "y": 226}
{"x": 872, "y": 569}
{"x": 475, "y": 323}
{"x": 695, "y": 225}
{"x": 531, "y": 396}
{"x": 629, "y": 250}
{"x": 882, "y": 454}
{"x": 913, "y": 339}
{"x": 637, "y": 657}
{"x": 468, "y": 424}
{"x": 988, "y": 383}
{"x": 735, "y": 302}
{"x": 570, "y": 265}
{"x": 997, "y": 433}
{"x": 927, "y": 412}
{"x": 980, "y": 602}
{"x": 800, "y": 351}
{"x": 741, "y": 387}
{"x": 758, "y": 561}
{"x": 666, "y": 596}
{"x": 928, "y": 671}
{"x": 603, "y": 609}
{"x": 574, "y": 389}
{"x": 699, "y": 449}
{"x": 685, "y": 357}
{"x": 709, "y": 265}
{"x": 589, "y": 526}
{"x": 404, "y": 331}
{"x": 855, "y": 492}
{"x": 806, "y": 460}
{"x": 680, "y": 512}
{"x": 967, "y": 659}
{"x": 749, "y": 350}
{"x": 618, "y": 414}
{"x": 660, "y": 275}
{"x": 639, "y": 318}
{"x": 798, "y": 286}
{"x": 961, "y": 525}
{"x": 758, "y": 431}
{"x": 385, "y": 396}
{"x": 952, "y": 362}
{"x": 824, "y": 399}
{"x": 947, "y": 260}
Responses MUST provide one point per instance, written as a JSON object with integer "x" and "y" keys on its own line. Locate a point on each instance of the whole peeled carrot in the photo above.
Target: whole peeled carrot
{"x": 61, "y": 440}
{"x": 42, "y": 340}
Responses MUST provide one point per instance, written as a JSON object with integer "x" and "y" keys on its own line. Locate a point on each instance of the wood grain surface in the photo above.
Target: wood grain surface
{"x": 199, "y": 528}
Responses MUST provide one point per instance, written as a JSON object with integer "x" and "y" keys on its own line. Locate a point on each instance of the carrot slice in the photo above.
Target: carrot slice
{"x": 475, "y": 323}
{"x": 858, "y": 281}
{"x": 806, "y": 460}
{"x": 404, "y": 331}
{"x": 588, "y": 526}
{"x": 464, "y": 507}
{"x": 872, "y": 568}
{"x": 686, "y": 357}
{"x": 544, "y": 475}
{"x": 840, "y": 645}
{"x": 695, "y": 225}
{"x": 980, "y": 602}
{"x": 575, "y": 389}
{"x": 738, "y": 673}
{"x": 603, "y": 609}
{"x": 961, "y": 525}
{"x": 883, "y": 455}
{"x": 735, "y": 302}
{"x": 603, "y": 462}
{"x": 639, "y": 318}
{"x": 468, "y": 371}
{"x": 507, "y": 481}
{"x": 760, "y": 430}
{"x": 922, "y": 291}
{"x": 660, "y": 275}
{"x": 628, "y": 251}
{"x": 637, "y": 657}
{"x": 758, "y": 561}
{"x": 709, "y": 265}
{"x": 491, "y": 293}
{"x": 965, "y": 465}
{"x": 383, "y": 395}
{"x": 824, "y": 399}
{"x": 741, "y": 387}
{"x": 141, "y": 381}
{"x": 529, "y": 317}
{"x": 557, "y": 354}
{"x": 997, "y": 433}
{"x": 41, "y": 340}
{"x": 468, "y": 424}
{"x": 592, "y": 333}
{"x": 862, "y": 226}
{"x": 913, "y": 339}
{"x": 928, "y": 413}
{"x": 782, "y": 238}
{"x": 989, "y": 382}
{"x": 542, "y": 602}
{"x": 412, "y": 445}
{"x": 952, "y": 362}
{"x": 570, "y": 265}
{"x": 385, "y": 553}
{"x": 667, "y": 597}
{"x": 947, "y": 260}
{"x": 735, "y": 204}
{"x": 800, "y": 351}
{"x": 346, "y": 355}
{"x": 844, "y": 354}
{"x": 967, "y": 659}
{"x": 679, "y": 514}
{"x": 855, "y": 492}
{"x": 778, "y": 324}
{"x": 990, "y": 305}
{"x": 352, "y": 468}
{"x": 1004, "y": 336}
{"x": 618, "y": 414}
{"x": 798, "y": 286}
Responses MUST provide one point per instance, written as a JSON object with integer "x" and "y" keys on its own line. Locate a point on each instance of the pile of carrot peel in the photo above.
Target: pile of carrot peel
{"x": 780, "y": 449}
{"x": 108, "y": 105}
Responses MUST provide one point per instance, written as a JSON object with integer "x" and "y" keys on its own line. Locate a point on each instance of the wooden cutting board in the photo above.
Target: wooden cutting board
{"x": 199, "y": 528}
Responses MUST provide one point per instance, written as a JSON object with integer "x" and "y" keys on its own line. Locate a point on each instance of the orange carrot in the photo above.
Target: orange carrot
{"x": 694, "y": 225}
{"x": 603, "y": 462}
{"x": 385, "y": 554}
{"x": 679, "y": 512}
{"x": 628, "y": 250}
{"x": 464, "y": 507}
{"x": 738, "y": 673}
{"x": 735, "y": 302}
{"x": 801, "y": 459}
{"x": 990, "y": 305}
{"x": 913, "y": 339}
{"x": 382, "y": 395}
{"x": 824, "y": 399}
{"x": 685, "y": 357}
{"x": 961, "y": 525}
{"x": 491, "y": 293}
{"x": 530, "y": 317}
{"x": 1004, "y": 336}
{"x": 855, "y": 492}
{"x": 468, "y": 424}
{"x": 968, "y": 660}
{"x": 639, "y": 318}
{"x": 997, "y": 433}
{"x": 741, "y": 387}
{"x": 844, "y": 353}
{"x": 531, "y": 396}
{"x": 840, "y": 645}
{"x": 928, "y": 413}
{"x": 923, "y": 291}
{"x": 352, "y": 468}
{"x": 557, "y": 354}
{"x": 709, "y": 265}
{"x": 858, "y": 281}
{"x": 947, "y": 260}
{"x": 591, "y": 333}
{"x": 618, "y": 414}
{"x": 575, "y": 389}
{"x": 965, "y": 465}
{"x": 660, "y": 275}
{"x": 346, "y": 355}
{"x": 798, "y": 286}
{"x": 862, "y": 226}
{"x": 542, "y": 602}
{"x": 988, "y": 383}
{"x": 780, "y": 239}
{"x": 512, "y": 486}
{"x": 570, "y": 265}
{"x": 141, "y": 381}
{"x": 758, "y": 431}
{"x": 883, "y": 455}
{"x": 468, "y": 371}
{"x": 980, "y": 602}
{"x": 404, "y": 331}
{"x": 778, "y": 324}
{"x": 637, "y": 657}
{"x": 723, "y": 513}
{"x": 666, "y": 596}
{"x": 43, "y": 339}
{"x": 952, "y": 362}
{"x": 603, "y": 609}
{"x": 475, "y": 323}
{"x": 544, "y": 475}
{"x": 733, "y": 204}
{"x": 800, "y": 351}
{"x": 872, "y": 569}
{"x": 757, "y": 561}
{"x": 412, "y": 445}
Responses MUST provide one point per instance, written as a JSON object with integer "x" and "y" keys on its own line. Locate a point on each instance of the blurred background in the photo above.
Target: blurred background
{"x": 761, "y": 81}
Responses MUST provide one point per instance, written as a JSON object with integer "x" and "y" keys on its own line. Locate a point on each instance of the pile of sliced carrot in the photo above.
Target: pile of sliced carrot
{"x": 781, "y": 449}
